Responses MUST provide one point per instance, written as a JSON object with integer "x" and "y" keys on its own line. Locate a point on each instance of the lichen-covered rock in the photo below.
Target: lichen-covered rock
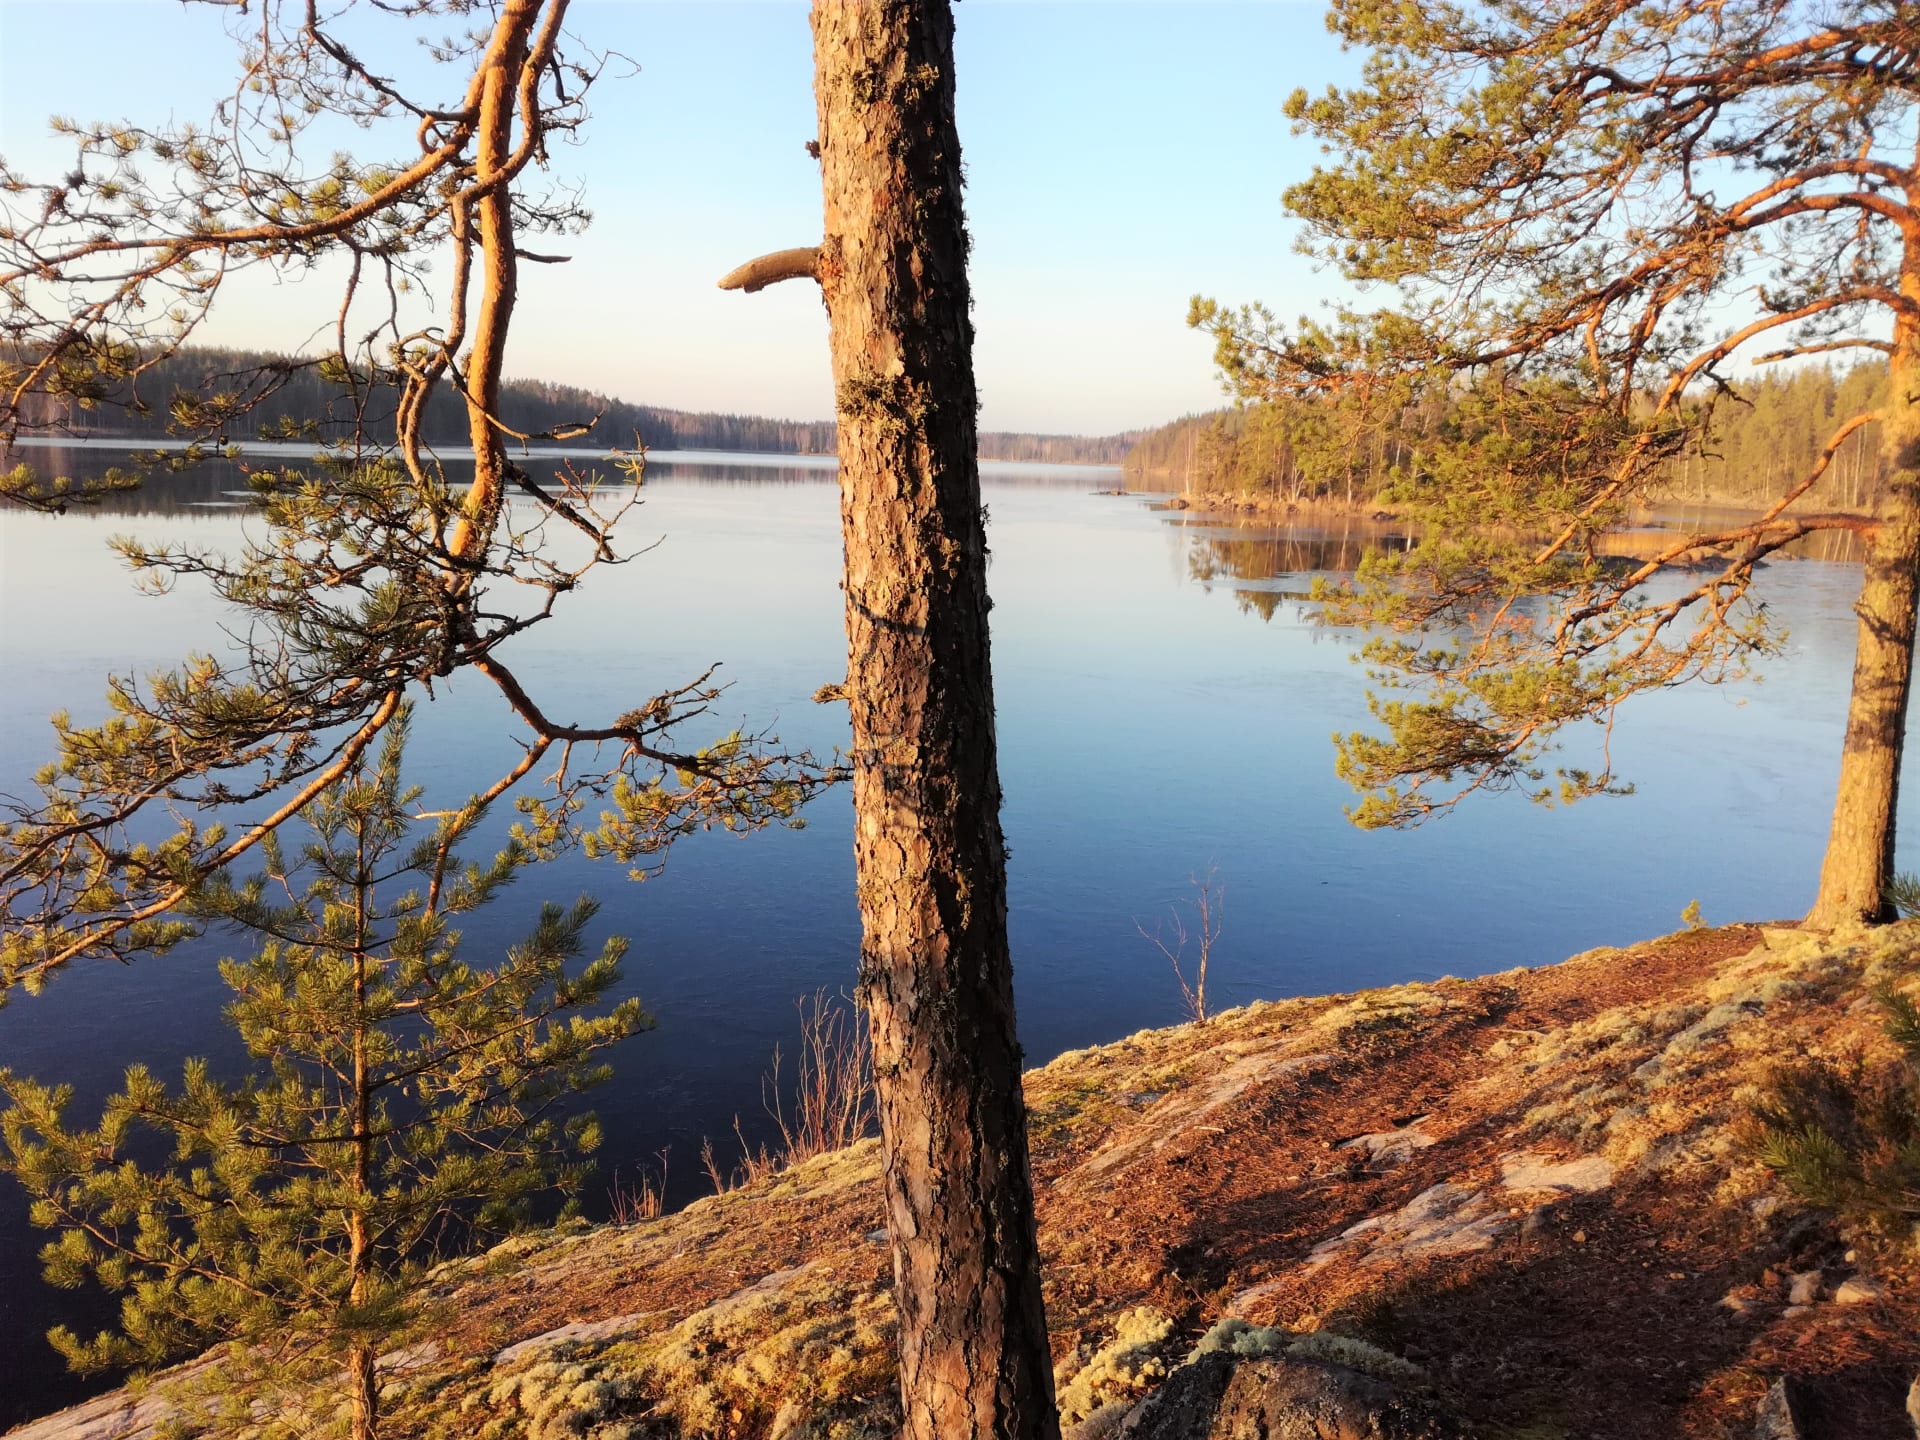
{"x": 795, "y": 1354}
{"x": 579, "y": 1332}
{"x": 1444, "y": 1219}
{"x": 122, "y": 1415}
{"x": 1237, "y": 1338}
{"x": 1529, "y": 1173}
{"x": 1176, "y": 1115}
{"x": 1387, "y": 1149}
{"x": 1857, "y": 1291}
{"x": 660, "y": 1331}
{"x": 556, "y": 1400}
{"x": 1102, "y": 1424}
{"x": 1219, "y": 1397}
{"x": 1184, "y": 1407}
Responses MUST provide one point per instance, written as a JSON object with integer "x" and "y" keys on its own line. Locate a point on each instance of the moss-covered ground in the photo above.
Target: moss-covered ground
{"x": 1527, "y": 1192}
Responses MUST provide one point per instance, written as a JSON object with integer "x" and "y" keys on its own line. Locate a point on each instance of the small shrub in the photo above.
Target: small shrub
{"x": 833, "y": 1097}
{"x": 829, "y": 1108}
{"x": 1847, "y": 1138}
{"x": 643, "y": 1197}
{"x": 1209, "y": 909}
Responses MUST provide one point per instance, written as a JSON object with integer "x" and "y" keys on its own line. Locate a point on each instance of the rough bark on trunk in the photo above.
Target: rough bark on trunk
{"x": 362, "y": 1361}
{"x": 936, "y": 977}
{"x": 363, "y": 1377}
{"x": 1860, "y": 848}
{"x": 503, "y": 71}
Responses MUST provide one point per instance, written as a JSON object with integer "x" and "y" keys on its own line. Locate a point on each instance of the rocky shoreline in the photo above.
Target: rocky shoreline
{"x": 1516, "y": 1206}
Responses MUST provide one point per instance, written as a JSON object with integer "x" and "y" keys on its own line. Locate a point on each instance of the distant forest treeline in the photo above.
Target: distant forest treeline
{"x": 297, "y": 393}
{"x": 1760, "y": 446}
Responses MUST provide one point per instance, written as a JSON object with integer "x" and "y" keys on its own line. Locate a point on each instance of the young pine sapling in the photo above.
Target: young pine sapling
{"x": 404, "y": 1100}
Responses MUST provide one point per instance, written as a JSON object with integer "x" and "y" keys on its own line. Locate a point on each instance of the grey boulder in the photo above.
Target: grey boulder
{"x": 1779, "y": 1414}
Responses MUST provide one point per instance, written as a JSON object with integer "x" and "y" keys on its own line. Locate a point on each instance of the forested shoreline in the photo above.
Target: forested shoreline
{"x": 281, "y": 394}
{"x": 1761, "y": 443}
{"x": 1558, "y": 406}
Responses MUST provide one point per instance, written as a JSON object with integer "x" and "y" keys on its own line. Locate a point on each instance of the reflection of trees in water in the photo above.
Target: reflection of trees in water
{"x": 208, "y": 484}
{"x": 1263, "y": 603}
{"x": 223, "y": 483}
{"x": 1262, "y": 556}
{"x": 712, "y": 472}
{"x": 219, "y": 483}
{"x": 1214, "y": 553}
{"x": 1841, "y": 547}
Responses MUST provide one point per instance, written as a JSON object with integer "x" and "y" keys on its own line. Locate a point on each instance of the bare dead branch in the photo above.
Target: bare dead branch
{"x": 799, "y": 264}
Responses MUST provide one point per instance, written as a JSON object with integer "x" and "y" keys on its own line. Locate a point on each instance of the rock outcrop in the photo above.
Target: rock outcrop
{"x": 1224, "y": 1397}
{"x": 1515, "y": 1203}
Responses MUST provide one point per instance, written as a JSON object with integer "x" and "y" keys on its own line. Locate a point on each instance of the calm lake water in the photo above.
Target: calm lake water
{"x": 1164, "y": 708}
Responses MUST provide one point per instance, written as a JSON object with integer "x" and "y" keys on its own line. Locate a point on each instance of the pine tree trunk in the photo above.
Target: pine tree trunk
{"x": 936, "y": 977}
{"x": 361, "y": 1357}
{"x": 364, "y": 1380}
{"x": 1860, "y": 849}
{"x": 496, "y": 96}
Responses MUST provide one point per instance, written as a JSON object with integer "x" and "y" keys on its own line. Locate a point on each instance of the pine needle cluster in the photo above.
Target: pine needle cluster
{"x": 1847, "y": 1138}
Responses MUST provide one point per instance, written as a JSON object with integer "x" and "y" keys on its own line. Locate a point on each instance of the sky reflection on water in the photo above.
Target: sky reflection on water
{"x": 1163, "y": 708}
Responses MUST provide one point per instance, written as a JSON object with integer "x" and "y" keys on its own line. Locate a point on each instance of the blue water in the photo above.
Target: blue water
{"x": 1153, "y": 724}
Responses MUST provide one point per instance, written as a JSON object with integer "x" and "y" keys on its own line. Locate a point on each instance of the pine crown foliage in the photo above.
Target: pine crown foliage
{"x": 1562, "y": 205}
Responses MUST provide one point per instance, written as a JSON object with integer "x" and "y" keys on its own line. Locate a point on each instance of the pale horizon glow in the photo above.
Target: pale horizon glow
{"x": 1120, "y": 158}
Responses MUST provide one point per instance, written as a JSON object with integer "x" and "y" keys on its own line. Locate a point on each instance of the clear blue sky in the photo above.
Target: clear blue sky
{"x": 1119, "y": 157}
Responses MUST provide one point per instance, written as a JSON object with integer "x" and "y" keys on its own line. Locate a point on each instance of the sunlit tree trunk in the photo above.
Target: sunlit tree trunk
{"x": 501, "y": 73}
{"x": 363, "y": 1377}
{"x": 1860, "y": 848}
{"x": 936, "y": 977}
{"x": 362, "y": 1362}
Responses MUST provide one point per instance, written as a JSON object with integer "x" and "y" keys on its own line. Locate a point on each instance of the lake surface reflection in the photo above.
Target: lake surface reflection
{"x": 1164, "y": 708}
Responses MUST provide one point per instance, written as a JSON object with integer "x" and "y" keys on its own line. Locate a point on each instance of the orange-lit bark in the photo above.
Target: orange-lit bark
{"x": 936, "y": 977}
